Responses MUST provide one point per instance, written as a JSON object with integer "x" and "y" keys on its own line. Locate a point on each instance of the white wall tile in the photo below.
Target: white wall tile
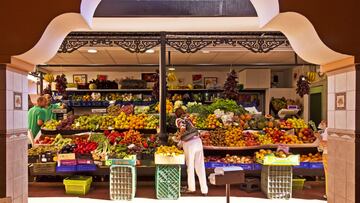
{"x": 9, "y": 80}
{"x": 350, "y": 100}
{"x": 331, "y": 119}
{"x": 18, "y": 121}
{"x": 331, "y": 101}
{"x": 25, "y": 119}
{"x": 9, "y": 120}
{"x": 25, "y": 102}
{"x": 350, "y": 120}
{"x": 25, "y": 84}
{"x": 17, "y": 82}
{"x": 331, "y": 84}
{"x": 340, "y": 119}
{"x": 9, "y": 100}
{"x": 350, "y": 80}
{"x": 340, "y": 82}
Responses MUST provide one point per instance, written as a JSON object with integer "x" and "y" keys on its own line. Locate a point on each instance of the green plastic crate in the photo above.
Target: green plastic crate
{"x": 168, "y": 178}
{"x": 77, "y": 185}
{"x": 298, "y": 184}
{"x": 122, "y": 182}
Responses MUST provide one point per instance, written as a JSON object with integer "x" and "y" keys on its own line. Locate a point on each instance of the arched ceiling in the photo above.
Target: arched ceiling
{"x": 22, "y": 31}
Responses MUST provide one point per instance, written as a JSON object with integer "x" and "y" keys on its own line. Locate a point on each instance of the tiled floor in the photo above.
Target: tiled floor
{"x": 146, "y": 192}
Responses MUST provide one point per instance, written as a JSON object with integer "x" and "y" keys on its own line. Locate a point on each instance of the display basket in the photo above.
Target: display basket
{"x": 130, "y": 160}
{"x": 169, "y": 160}
{"x": 65, "y": 169}
{"x": 44, "y": 168}
{"x": 86, "y": 167}
{"x": 276, "y": 181}
{"x": 303, "y": 165}
{"x": 77, "y": 185}
{"x": 291, "y": 160}
{"x": 122, "y": 182}
{"x": 316, "y": 165}
{"x": 168, "y": 178}
{"x": 298, "y": 184}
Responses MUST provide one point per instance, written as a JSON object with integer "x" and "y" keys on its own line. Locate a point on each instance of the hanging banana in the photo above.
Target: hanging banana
{"x": 311, "y": 76}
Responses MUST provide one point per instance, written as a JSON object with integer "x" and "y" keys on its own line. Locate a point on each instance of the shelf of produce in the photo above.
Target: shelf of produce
{"x": 272, "y": 146}
{"x": 144, "y": 90}
{"x": 74, "y": 132}
{"x": 111, "y": 90}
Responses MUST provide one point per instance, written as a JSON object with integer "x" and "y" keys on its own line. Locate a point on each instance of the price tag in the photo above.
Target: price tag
{"x": 98, "y": 110}
{"x": 59, "y": 111}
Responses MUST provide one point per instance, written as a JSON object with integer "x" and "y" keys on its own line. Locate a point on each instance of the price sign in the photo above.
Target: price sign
{"x": 98, "y": 110}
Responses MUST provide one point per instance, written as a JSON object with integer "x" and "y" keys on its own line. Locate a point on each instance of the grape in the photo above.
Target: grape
{"x": 303, "y": 86}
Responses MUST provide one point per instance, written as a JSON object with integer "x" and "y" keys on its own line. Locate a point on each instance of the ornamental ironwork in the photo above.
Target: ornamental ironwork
{"x": 184, "y": 42}
{"x": 137, "y": 45}
{"x": 261, "y": 45}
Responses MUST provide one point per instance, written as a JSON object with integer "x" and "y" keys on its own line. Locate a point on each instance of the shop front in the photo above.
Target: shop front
{"x": 233, "y": 76}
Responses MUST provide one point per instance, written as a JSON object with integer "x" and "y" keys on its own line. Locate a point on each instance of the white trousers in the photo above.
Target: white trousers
{"x": 194, "y": 157}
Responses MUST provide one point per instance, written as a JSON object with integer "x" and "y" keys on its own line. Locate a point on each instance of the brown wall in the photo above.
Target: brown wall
{"x": 337, "y": 22}
{"x": 22, "y": 22}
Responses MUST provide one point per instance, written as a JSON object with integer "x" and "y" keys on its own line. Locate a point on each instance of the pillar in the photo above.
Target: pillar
{"x": 13, "y": 135}
{"x": 343, "y": 135}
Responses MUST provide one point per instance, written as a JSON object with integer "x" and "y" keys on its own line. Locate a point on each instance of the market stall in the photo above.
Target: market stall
{"x": 107, "y": 122}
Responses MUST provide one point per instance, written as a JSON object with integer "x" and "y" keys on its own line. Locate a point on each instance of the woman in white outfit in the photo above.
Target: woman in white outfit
{"x": 193, "y": 149}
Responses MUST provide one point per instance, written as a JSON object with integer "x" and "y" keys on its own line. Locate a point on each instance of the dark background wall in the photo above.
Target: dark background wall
{"x": 23, "y": 22}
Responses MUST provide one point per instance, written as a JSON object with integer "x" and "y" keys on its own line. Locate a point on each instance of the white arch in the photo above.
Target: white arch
{"x": 300, "y": 32}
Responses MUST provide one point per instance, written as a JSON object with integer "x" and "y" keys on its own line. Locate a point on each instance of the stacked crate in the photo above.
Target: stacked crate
{"x": 168, "y": 176}
{"x": 276, "y": 181}
{"x": 122, "y": 179}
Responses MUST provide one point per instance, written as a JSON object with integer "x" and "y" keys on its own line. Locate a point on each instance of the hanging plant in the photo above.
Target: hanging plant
{"x": 231, "y": 86}
{"x": 303, "y": 86}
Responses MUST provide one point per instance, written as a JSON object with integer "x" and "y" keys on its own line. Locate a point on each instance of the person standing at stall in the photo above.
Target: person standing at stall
{"x": 36, "y": 118}
{"x": 49, "y": 115}
{"x": 193, "y": 149}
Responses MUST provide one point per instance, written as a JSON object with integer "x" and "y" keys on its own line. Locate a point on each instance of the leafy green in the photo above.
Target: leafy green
{"x": 226, "y": 105}
{"x": 200, "y": 109}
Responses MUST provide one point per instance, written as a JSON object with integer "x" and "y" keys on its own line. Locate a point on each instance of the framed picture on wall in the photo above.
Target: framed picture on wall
{"x": 148, "y": 77}
{"x": 340, "y": 101}
{"x": 80, "y": 78}
{"x": 210, "y": 82}
{"x": 17, "y": 101}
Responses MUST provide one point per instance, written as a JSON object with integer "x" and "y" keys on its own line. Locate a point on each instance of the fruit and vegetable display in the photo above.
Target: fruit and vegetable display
{"x": 317, "y": 157}
{"x": 228, "y": 159}
{"x": 169, "y": 150}
{"x": 103, "y": 84}
{"x": 100, "y": 145}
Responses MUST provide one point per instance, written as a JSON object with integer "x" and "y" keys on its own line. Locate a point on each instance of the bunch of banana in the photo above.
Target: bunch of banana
{"x": 171, "y": 77}
{"x": 311, "y": 76}
{"x": 49, "y": 78}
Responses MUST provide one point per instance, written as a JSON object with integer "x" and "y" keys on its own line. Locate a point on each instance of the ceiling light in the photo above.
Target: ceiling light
{"x": 150, "y": 51}
{"x": 92, "y": 51}
{"x": 172, "y": 69}
{"x": 205, "y": 51}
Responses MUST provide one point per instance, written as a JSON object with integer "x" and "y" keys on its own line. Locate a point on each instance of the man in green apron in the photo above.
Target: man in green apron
{"x": 36, "y": 118}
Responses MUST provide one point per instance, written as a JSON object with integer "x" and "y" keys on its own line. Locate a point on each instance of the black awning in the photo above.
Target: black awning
{"x": 175, "y": 8}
